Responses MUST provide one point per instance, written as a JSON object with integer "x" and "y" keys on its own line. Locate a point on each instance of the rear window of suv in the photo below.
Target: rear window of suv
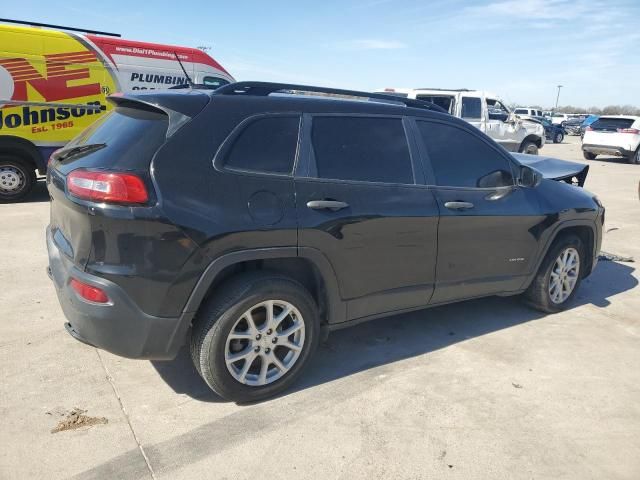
{"x": 130, "y": 136}
{"x": 361, "y": 148}
{"x": 612, "y": 124}
{"x": 266, "y": 145}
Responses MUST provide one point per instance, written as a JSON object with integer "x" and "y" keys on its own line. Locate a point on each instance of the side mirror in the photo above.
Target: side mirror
{"x": 528, "y": 177}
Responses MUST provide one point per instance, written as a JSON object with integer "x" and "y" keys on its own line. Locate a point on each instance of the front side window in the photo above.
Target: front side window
{"x": 361, "y": 148}
{"x": 460, "y": 159}
{"x": 471, "y": 108}
{"x": 266, "y": 145}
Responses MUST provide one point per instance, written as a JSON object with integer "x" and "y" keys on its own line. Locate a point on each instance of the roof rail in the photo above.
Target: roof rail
{"x": 265, "y": 88}
{"x": 58, "y": 27}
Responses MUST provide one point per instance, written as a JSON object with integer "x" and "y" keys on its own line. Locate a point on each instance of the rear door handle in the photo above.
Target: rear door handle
{"x": 458, "y": 205}
{"x": 332, "y": 205}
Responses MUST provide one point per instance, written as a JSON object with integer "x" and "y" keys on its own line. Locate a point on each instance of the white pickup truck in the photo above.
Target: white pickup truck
{"x": 485, "y": 111}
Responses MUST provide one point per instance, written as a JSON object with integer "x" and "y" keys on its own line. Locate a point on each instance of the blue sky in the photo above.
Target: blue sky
{"x": 520, "y": 49}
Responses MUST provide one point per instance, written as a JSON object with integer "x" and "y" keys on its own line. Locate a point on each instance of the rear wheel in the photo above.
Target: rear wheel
{"x": 589, "y": 155}
{"x": 17, "y": 179}
{"x": 529, "y": 147}
{"x": 635, "y": 158}
{"x": 558, "y": 137}
{"x": 253, "y": 339}
{"x": 559, "y": 276}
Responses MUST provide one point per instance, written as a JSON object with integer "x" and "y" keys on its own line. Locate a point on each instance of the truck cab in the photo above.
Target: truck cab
{"x": 485, "y": 111}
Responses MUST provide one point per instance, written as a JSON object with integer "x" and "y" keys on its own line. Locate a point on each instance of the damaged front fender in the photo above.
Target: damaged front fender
{"x": 555, "y": 169}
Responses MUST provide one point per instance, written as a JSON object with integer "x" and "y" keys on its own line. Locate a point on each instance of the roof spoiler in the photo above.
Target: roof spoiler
{"x": 266, "y": 88}
{"x": 178, "y": 113}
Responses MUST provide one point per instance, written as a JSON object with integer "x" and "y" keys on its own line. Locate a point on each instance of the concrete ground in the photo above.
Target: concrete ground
{"x": 482, "y": 389}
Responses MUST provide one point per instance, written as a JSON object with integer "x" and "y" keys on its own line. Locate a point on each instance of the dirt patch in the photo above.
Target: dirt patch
{"x": 75, "y": 419}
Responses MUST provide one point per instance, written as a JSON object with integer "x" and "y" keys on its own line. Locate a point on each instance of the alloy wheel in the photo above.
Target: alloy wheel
{"x": 265, "y": 343}
{"x": 564, "y": 275}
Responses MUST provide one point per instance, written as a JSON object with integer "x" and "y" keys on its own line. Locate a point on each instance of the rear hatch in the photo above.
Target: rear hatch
{"x": 607, "y": 131}
{"x": 124, "y": 141}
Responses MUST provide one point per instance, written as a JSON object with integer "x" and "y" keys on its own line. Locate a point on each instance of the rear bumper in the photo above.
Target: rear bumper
{"x": 119, "y": 326}
{"x": 606, "y": 150}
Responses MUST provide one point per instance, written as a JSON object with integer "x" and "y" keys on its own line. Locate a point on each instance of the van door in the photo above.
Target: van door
{"x": 359, "y": 204}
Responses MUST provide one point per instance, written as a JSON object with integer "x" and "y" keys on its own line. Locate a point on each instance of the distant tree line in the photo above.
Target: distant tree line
{"x": 608, "y": 110}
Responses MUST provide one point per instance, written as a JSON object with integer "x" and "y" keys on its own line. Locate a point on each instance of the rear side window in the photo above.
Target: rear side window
{"x": 266, "y": 145}
{"x": 611, "y": 124}
{"x": 460, "y": 159}
{"x": 361, "y": 148}
{"x": 471, "y": 108}
{"x": 522, "y": 111}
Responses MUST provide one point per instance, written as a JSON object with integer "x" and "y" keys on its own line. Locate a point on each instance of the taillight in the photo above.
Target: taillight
{"x": 109, "y": 187}
{"x": 634, "y": 131}
{"x": 89, "y": 292}
{"x": 588, "y": 129}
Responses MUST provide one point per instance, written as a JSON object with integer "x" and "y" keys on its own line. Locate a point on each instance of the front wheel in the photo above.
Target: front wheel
{"x": 529, "y": 147}
{"x": 559, "y": 276}
{"x": 589, "y": 155}
{"x": 17, "y": 179}
{"x": 558, "y": 138}
{"x": 253, "y": 338}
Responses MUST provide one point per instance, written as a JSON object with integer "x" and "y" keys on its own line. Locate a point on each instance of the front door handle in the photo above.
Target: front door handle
{"x": 332, "y": 205}
{"x": 458, "y": 205}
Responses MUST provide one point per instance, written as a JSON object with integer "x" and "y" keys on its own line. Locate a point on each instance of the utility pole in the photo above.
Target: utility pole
{"x": 557, "y": 97}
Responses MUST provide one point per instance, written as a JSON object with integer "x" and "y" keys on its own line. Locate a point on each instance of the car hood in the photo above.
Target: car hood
{"x": 554, "y": 168}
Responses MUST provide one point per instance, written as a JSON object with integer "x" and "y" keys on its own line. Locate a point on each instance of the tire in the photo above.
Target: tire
{"x": 539, "y": 295}
{"x": 17, "y": 179}
{"x": 558, "y": 137}
{"x": 529, "y": 147}
{"x": 635, "y": 158}
{"x": 589, "y": 155}
{"x": 226, "y": 312}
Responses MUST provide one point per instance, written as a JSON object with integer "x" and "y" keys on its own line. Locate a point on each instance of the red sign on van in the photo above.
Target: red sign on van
{"x": 53, "y": 86}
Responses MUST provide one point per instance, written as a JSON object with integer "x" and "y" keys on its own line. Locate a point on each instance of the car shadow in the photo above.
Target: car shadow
{"x": 395, "y": 338}
{"x": 606, "y": 159}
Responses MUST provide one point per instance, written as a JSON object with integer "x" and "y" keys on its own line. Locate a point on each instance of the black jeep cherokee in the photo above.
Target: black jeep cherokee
{"x": 251, "y": 220}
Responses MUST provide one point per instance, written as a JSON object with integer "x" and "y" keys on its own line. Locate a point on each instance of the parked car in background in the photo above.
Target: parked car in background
{"x": 559, "y": 118}
{"x": 532, "y": 112}
{"x": 555, "y": 133}
{"x": 249, "y": 223}
{"x": 53, "y": 85}
{"x": 485, "y": 111}
{"x": 574, "y": 124}
{"x": 617, "y": 135}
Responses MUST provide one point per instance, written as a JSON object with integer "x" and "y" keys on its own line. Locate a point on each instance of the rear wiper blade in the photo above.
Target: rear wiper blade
{"x": 73, "y": 151}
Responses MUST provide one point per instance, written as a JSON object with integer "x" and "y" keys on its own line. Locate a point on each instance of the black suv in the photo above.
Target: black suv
{"x": 251, "y": 220}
